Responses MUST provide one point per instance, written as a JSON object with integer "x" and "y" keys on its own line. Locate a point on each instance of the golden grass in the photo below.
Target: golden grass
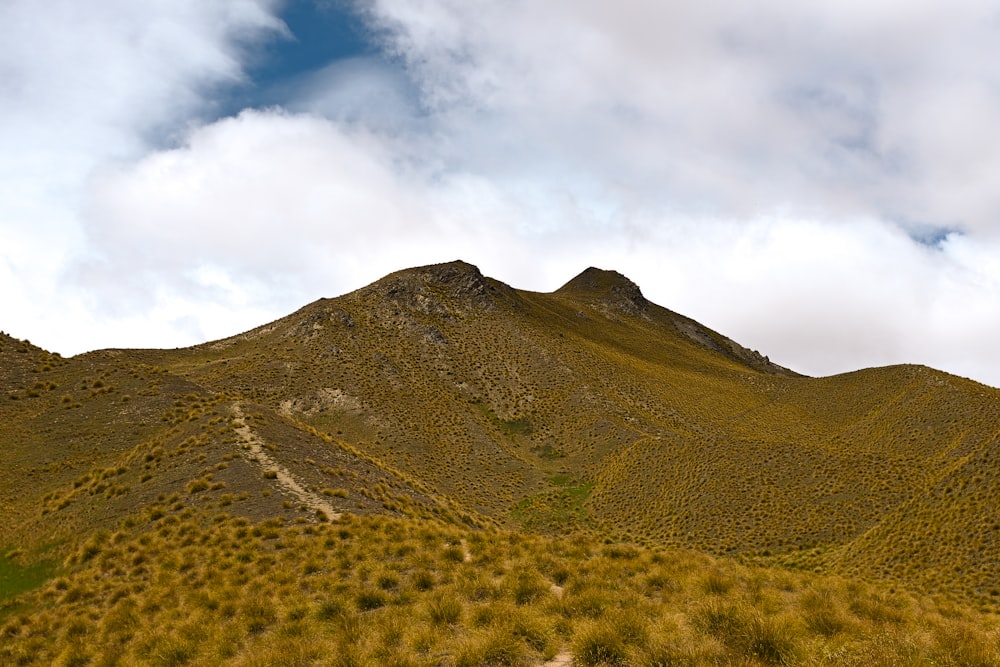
{"x": 193, "y": 588}
{"x": 442, "y": 395}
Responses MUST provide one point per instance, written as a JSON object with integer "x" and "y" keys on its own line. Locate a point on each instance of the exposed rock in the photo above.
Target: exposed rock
{"x": 719, "y": 343}
{"x": 326, "y": 399}
{"x": 441, "y": 291}
{"x": 609, "y": 289}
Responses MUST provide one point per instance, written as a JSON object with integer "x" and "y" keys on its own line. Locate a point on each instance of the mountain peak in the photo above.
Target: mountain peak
{"x": 607, "y": 287}
{"x": 458, "y": 274}
{"x": 457, "y": 278}
{"x": 431, "y": 288}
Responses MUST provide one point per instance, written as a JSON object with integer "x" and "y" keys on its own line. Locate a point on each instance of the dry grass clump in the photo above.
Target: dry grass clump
{"x": 191, "y": 588}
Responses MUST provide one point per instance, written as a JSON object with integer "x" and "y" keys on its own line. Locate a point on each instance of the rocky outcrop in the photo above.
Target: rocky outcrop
{"x": 453, "y": 289}
{"x": 609, "y": 289}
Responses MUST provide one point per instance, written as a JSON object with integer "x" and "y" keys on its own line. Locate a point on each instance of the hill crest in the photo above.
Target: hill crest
{"x": 439, "y": 289}
{"x": 608, "y": 287}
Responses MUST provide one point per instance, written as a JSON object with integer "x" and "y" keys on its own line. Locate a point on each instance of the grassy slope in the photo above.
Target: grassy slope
{"x": 192, "y": 588}
{"x": 488, "y": 394}
{"x": 88, "y": 440}
{"x": 437, "y": 392}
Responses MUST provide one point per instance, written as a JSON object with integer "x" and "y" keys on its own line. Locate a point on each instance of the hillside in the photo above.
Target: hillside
{"x": 439, "y": 393}
{"x": 193, "y": 588}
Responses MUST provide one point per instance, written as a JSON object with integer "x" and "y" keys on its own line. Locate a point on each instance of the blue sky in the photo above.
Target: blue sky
{"x": 817, "y": 182}
{"x": 313, "y": 35}
{"x": 318, "y": 35}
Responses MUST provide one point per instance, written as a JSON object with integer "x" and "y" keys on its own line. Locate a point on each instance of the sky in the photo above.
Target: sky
{"x": 817, "y": 181}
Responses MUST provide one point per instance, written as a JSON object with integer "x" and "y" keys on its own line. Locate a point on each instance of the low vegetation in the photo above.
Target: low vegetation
{"x": 193, "y": 588}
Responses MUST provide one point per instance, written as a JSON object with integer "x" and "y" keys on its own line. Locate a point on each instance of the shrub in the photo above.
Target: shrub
{"x": 167, "y": 650}
{"x": 388, "y": 581}
{"x": 454, "y": 553}
{"x": 716, "y": 583}
{"x": 369, "y": 599}
{"x": 329, "y": 609}
{"x": 599, "y": 644}
{"x": 258, "y": 613}
{"x": 531, "y": 628}
{"x": 496, "y": 648}
{"x": 444, "y": 609}
{"x": 197, "y": 485}
{"x": 527, "y": 586}
{"x": 746, "y": 631}
{"x": 820, "y": 613}
{"x": 877, "y": 608}
{"x": 423, "y": 580}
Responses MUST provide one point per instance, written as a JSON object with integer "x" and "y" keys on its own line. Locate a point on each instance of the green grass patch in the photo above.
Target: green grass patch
{"x": 548, "y": 452}
{"x": 519, "y": 426}
{"x": 555, "y": 511}
{"x": 16, "y": 578}
{"x": 509, "y": 427}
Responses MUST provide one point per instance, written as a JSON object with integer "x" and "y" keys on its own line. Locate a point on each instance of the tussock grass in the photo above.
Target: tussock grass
{"x": 211, "y": 588}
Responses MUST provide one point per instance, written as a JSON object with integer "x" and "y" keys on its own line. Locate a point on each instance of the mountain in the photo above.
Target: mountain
{"x": 439, "y": 393}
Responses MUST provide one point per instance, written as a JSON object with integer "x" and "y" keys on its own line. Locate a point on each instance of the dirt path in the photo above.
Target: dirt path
{"x": 254, "y": 453}
{"x": 563, "y": 659}
{"x": 466, "y": 554}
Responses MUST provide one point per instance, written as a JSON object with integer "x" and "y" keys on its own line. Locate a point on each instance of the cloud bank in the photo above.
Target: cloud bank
{"x": 815, "y": 183}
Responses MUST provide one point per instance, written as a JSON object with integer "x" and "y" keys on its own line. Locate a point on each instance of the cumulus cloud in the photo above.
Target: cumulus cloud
{"x": 82, "y": 84}
{"x": 813, "y": 182}
{"x": 815, "y": 295}
{"x": 102, "y": 78}
{"x": 271, "y": 198}
{"x": 851, "y": 109}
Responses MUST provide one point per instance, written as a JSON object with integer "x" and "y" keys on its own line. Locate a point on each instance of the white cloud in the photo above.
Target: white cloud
{"x": 851, "y": 109}
{"x": 362, "y": 91}
{"x": 82, "y": 83}
{"x": 825, "y": 298}
{"x": 761, "y": 168}
{"x": 284, "y": 206}
{"x": 266, "y": 195}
